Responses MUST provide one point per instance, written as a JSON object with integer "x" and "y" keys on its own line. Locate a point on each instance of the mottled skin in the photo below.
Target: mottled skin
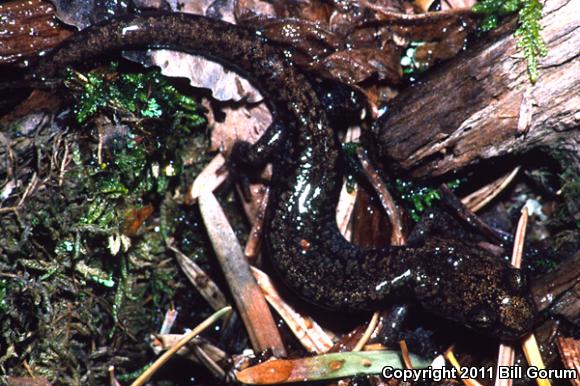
{"x": 445, "y": 277}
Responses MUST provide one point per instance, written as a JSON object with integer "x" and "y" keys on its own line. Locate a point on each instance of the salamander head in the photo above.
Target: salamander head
{"x": 475, "y": 289}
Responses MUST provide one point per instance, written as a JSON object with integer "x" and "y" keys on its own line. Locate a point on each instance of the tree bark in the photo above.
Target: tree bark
{"x": 482, "y": 104}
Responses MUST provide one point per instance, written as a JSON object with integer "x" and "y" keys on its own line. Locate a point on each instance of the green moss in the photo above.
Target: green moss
{"x": 69, "y": 245}
{"x": 143, "y": 95}
{"x": 530, "y": 41}
{"x": 419, "y": 197}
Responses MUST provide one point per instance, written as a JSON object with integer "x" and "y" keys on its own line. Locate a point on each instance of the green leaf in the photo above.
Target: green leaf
{"x": 324, "y": 367}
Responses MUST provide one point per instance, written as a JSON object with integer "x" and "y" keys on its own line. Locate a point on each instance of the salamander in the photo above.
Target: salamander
{"x": 445, "y": 277}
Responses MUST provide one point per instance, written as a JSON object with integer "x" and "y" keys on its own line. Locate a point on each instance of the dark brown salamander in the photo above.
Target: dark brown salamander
{"x": 446, "y": 277}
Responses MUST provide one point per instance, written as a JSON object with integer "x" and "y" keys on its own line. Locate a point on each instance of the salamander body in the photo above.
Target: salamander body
{"x": 311, "y": 256}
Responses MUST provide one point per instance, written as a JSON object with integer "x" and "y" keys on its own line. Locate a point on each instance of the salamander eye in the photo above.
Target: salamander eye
{"x": 481, "y": 317}
{"x": 516, "y": 280}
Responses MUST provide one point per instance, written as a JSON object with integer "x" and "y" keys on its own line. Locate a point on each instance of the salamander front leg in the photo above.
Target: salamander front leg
{"x": 434, "y": 222}
{"x": 246, "y": 161}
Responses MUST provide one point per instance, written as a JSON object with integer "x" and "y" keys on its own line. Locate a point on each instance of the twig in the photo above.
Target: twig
{"x": 453, "y": 203}
{"x": 162, "y": 342}
{"x": 112, "y": 379}
{"x": 506, "y": 356}
{"x": 182, "y": 342}
{"x": 249, "y": 300}
{"x": 29, "y": 188}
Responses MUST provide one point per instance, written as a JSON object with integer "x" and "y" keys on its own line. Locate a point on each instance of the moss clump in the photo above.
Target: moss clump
{"x": 88, "y": 274}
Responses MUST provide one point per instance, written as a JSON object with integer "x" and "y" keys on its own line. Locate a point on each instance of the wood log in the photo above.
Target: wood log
{"x": 482, "y": 104}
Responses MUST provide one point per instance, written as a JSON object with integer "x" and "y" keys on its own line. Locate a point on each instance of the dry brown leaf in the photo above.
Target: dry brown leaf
{"x": 225, "y": 84}
{"x": 27, "y": 27}
{"x": 357, "y": 65}
{"x": 243, "y": 123}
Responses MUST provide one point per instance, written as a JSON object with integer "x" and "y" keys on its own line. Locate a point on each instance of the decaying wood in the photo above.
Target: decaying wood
{"x": 482, "y": 105}
{"x": 560, "y": 290}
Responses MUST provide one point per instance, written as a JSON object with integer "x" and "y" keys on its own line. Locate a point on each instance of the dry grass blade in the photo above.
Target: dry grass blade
{"x": 506, "y": 355}
{"x": 249, "y": 300}
{"x": 481, "y": 197}
{"x": 186, "y": 338}
{"x": 368, "y": 332}
{"x": 305, "y": 329}
{"x": 200, "y": 280}
{"x": 455, "y": 363}
{"x": 347, "y": 200}
{"x": 112, "y": 378}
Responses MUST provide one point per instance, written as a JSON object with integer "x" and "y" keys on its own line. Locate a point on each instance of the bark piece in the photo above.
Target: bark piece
{"x": 482, "y": 104}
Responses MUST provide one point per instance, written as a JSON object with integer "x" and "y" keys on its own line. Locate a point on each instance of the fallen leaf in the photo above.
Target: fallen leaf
{"x": 326, "y": 366}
